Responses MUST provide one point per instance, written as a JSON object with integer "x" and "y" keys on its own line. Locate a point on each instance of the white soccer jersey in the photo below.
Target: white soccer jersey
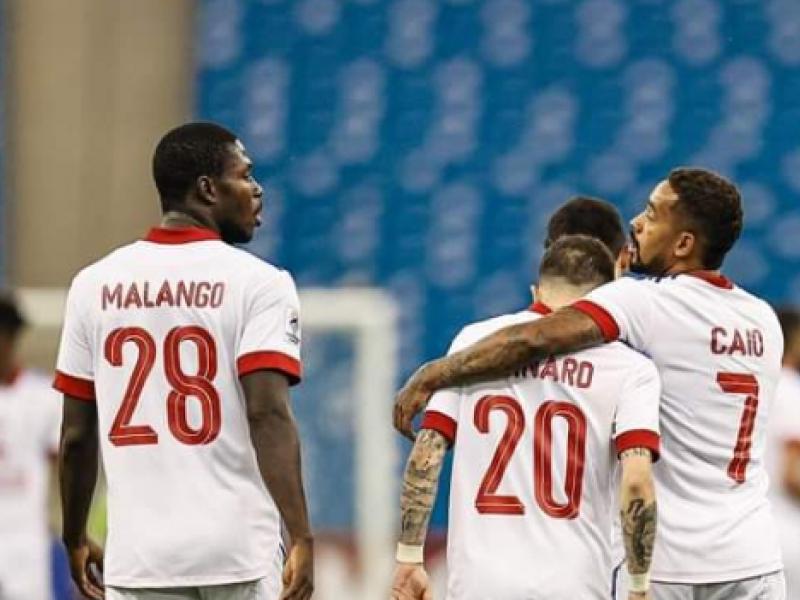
{"x": 784, "y": 430}
{"x": 718, "y": 352}
{"x": 158, "y": 334}
{"x": 534, "y": 484}
{"x": 30, "y": 418}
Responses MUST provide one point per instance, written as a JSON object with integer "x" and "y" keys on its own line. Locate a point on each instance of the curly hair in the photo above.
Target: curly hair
{"x": 713, "y": 207}
{"x": 587, "y": 216}
{"x": 184, "y": 154}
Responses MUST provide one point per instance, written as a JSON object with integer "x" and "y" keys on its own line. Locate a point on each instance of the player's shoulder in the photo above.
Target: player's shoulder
{"x": 478, "y": 330}
{"x": 98, "y": 269}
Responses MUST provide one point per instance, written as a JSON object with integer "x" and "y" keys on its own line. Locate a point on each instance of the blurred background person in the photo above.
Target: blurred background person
{"x": 411, "y": 151}
{"x": 30, "y": 417}
{"x": 783, "y": 450}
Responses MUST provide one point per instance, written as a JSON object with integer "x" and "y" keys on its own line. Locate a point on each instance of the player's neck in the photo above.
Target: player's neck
{"x": 689, "y": 266}
{"x": 174, "y": 219}
{"x": 555, "y": 298}
{"x": 8, "y": 371}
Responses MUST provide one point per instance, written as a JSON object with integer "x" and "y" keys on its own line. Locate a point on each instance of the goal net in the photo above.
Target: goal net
{"x": 343, "y": 408}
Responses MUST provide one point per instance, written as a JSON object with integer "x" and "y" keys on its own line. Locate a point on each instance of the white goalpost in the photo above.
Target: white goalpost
{"x": 366, "y": 318}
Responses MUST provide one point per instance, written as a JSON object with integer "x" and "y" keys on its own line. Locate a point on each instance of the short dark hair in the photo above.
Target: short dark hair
{"x": 11, "y": 318}
{"x": 579, "y": 259}
{"x": 713, "y": 206}
{"x": 588, "y": 216}
{"x": 186, "y": 153}
{"x": 789, "y": 318}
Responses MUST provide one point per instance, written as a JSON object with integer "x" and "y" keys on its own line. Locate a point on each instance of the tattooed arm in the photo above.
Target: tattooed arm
{"x": 638, "y": 515}
{"x": 495, "y": 356}
{"x": 420, "y": 483}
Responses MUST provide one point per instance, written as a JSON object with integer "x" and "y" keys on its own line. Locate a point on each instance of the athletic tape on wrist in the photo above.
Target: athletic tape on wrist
{"x": 409, "y": 554}
{"x": 639, "y": 583}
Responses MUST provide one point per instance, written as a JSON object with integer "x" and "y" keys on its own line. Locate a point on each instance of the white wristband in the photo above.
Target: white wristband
{"x": 639, "y": 583}
{"x": 409, "y": 554}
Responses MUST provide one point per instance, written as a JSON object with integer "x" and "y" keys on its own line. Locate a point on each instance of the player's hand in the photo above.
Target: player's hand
{"x": 623, "y": 262}
{"x": 298, "y": 573}
{"x": 411, "y": 583}
{"x": 639, "y": 596}
{"x": 86, "y": 567}
{"x": 410, "y": 400}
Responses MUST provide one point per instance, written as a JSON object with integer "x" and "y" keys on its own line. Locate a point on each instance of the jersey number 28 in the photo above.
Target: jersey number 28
{"x": 183, "y": 386}
{"x": 488, "y": 501}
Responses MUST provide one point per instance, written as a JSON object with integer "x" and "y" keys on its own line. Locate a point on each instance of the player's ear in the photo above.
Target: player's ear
{"x": 686, "y": 244}
{"x": 206, "y": 189}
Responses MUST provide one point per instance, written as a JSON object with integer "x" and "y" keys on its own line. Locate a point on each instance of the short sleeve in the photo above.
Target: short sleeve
{"x": 75, "y": 364}
{"x": 636, "y": 418}
{"x": 622, "y": 309}
{"x": 442, "y": 412}
{"x": 271, "y": 330}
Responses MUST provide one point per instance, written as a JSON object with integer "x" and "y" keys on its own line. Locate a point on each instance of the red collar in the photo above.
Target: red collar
{"x": 180, "y": 235}
{"x": 12, "y": 378}
{"x": 715, "y": 279}
{"x": 539, "y": 307}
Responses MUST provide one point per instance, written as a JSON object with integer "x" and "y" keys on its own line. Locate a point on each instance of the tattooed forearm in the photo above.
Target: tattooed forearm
{"x": 419, "y": 485}
{"x": 638, "y": 510}
{"x": 512, "y": 348}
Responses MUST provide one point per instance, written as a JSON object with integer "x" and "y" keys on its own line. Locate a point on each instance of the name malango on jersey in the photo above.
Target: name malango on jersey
{"x": 565, "y": 370}
{"x": 146, "y": 294}
{"x": 730, "y": 342}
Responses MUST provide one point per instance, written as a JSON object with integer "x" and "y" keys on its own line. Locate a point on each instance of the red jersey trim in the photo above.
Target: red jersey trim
{"x": 639, "y": 438}
{"x": 715, "y": 279}
{"x": 540, "y": 307}
{"x": 272, "y": 361}
{"x": 608, "y": 326}
{"x": 442, "y": 423}
{"x": 83, "y": 389}
{"x": 180, "y": 235}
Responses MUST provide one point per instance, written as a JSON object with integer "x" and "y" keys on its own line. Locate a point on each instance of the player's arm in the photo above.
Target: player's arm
{"x": 497, "y": 355}
{"x": 420, "y": 482}
{"x": 638, "y": 517}
{"x": 78, "y": 463}
{"x": 273, "y": 432}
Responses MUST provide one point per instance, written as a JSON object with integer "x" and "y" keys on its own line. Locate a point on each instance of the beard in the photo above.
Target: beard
{"x": 233, "y": 233}
{"x": 656, "y": 266}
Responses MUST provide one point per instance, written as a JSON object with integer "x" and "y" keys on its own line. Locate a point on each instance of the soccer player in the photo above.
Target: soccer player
{"x": 535, "y": 461}
{"x": 718, "y": 351}
{"x": 176, "y": 358}
{"x": 30, "y": 417}
{"x": 783, "y": 451}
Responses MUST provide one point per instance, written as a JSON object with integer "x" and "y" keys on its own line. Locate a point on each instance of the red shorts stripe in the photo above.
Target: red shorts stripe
{"x": 607, "y": 324}
{"x": 271, "y": 361}
{"x": 442, "y": 423}
{"x": 83, "y": 389}
{"x": 639, "y": 438}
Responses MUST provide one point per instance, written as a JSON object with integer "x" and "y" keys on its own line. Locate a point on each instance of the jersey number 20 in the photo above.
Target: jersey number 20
{"x": 488, "y": 501}
{"x": 183, "y": 386}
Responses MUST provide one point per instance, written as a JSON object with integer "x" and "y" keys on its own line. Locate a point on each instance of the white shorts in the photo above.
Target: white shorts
{"x": 764, "y": 587}
{"x": 263, "y": 589}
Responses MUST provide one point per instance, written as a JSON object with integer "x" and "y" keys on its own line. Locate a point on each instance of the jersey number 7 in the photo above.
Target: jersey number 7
{"x": 488, "y": 501}
{"x": 746, "y": 384}
{"x": 183, "y": 386}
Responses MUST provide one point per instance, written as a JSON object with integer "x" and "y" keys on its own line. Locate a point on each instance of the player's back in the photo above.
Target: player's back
{"x": 717, "y": 349}
{"x": 169, "y": 324}
{"x": 533, "y": 491}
